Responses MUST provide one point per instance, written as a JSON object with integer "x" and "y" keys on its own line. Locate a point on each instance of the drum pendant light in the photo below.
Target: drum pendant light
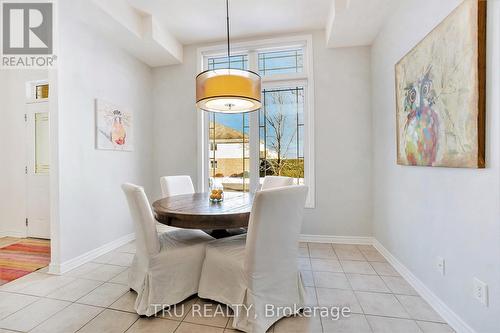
{"x": 228, "y": 90}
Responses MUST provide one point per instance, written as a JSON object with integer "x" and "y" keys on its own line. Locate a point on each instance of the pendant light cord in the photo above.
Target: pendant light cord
{"x": 227, "y": 28}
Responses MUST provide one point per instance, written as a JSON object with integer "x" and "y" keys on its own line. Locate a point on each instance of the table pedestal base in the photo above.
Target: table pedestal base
{"x": 223, "y": 233}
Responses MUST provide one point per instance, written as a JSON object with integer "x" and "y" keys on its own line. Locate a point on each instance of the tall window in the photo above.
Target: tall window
{"x": 276, "y": 140}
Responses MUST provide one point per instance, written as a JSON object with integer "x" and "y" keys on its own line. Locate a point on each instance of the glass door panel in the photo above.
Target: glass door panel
{"x": 42, "y": 143}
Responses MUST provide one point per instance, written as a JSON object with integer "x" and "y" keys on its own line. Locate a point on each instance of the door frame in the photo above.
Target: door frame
{"x": 30, "y": 148}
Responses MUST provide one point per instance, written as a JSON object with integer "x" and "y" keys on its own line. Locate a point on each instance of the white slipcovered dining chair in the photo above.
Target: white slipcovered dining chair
{"x": 165, "y": 269}
{"x": 176, "y": 185}
{"x": 276, "y": 181}
{"x": 263, "y": 269}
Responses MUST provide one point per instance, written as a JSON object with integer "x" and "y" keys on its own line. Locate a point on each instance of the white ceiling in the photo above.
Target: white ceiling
{"x": 359, "y": 22}
{"x": 155, "y": 31}
{"x": 195, "y": 21}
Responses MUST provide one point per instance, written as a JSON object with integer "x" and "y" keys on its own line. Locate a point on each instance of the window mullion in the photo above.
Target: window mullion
{"x": 253, "y": 65}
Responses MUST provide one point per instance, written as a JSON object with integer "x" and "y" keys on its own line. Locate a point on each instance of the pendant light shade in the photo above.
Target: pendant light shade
{"x": 228, "y": 91}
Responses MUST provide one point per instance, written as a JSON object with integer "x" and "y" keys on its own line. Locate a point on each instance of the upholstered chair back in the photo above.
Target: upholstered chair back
{"x": 176, "y": 185}
{"x": 147, "y": 240}
{"x": 273, "y": 234}
{"x": 276, "y": 181}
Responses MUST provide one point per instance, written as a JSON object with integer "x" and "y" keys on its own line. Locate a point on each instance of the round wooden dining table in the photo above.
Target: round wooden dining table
{"x": 196, "y": 211}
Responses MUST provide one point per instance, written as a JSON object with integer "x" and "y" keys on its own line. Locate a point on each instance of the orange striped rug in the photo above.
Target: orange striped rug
{"x": 23, "y": 257}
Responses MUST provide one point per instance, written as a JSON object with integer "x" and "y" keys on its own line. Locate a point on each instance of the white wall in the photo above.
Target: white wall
{"x": 421, "y": 212}
{"x": 92, "y": 207}
{"x": 13, "y": 149}
{"x": 175, "y": 119}
{"x": 342, "y": 130}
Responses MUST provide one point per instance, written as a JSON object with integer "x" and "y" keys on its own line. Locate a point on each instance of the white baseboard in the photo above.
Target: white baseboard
{"x": 336, "y": 239}
{"x": 11, "y": 233}
{"x": 435, "y": 302}
{"x": 56, "y": 268}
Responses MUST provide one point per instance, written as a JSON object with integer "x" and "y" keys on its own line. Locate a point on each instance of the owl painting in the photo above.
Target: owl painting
{"x": 422, "y": 122}
{"x": 440, "y": 94}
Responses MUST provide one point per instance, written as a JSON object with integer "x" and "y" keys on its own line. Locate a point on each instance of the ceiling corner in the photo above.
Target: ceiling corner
{"x": 136, "y": 32}
{"x": 336, "y": 7}
{"x": 329, "y": 22}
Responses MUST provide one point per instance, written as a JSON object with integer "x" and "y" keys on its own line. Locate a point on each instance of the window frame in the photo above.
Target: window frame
{"x": 304, "y": 79}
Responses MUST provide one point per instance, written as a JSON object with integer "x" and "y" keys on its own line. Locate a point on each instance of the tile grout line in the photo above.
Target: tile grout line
{"x": 179, "y": 324}
{"x": 23, "y": 306}
{"x": 390, "y": 292}
{"x": 316, "y": 290}
{"x": 359, "y": 303}
{"x": 40, "y": 298}
{"x": 74, "y": 302}
{"x": 96, "y": 306}
{"x": 202, "y": 299}
{"x": 356, "y": 296}
{"x": 386, "y": 287}
{"x": 70, "y": 302}
{"x": 135, "y": 321}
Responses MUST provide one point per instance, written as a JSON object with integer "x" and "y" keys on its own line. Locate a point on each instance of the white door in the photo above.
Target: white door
{"x": 37, "y": 170}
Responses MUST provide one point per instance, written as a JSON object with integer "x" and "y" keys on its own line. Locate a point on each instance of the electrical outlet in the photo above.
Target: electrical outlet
{"x": 440, "y": 265}
{"x": 480, "y": 291}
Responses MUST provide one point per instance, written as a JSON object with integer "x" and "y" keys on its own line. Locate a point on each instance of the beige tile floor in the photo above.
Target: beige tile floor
{"x": 94, "y": 298}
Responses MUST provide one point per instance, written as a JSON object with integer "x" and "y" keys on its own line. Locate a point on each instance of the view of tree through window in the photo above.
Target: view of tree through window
{"x": 281, "y": 133}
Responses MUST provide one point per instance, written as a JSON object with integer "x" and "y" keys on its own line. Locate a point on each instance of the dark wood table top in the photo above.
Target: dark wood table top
{"x": 195, "y": 211}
